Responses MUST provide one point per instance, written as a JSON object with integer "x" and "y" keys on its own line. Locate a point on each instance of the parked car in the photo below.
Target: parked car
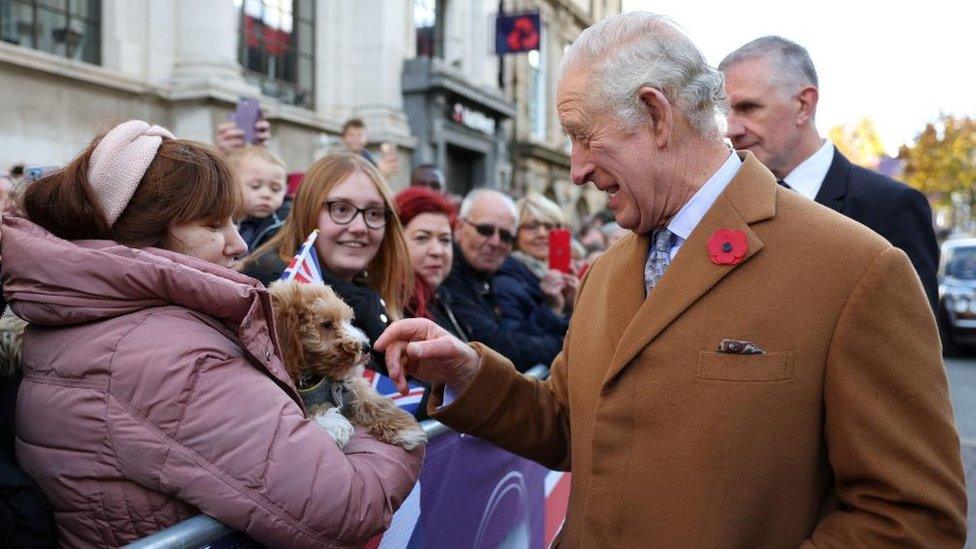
{"x": 957, "y": 293}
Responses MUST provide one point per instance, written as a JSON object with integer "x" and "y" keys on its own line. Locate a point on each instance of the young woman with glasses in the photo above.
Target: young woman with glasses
{"x": 361, "y": 248}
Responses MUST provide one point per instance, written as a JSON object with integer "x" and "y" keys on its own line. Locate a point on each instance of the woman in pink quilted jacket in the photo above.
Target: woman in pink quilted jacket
{"x": 153, "y": 387}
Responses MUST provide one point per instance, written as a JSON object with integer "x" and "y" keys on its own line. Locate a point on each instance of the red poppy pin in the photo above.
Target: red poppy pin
{"x": 728, "y": 247}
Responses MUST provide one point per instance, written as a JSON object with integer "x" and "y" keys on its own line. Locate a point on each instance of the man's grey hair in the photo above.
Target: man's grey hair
{"x": 473, "y": 196}
{"x": 791, "y": 64}
{"x": 632, "y": 50}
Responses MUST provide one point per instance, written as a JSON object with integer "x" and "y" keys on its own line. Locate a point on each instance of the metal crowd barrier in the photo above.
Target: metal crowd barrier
{"x": 202, "y": 530}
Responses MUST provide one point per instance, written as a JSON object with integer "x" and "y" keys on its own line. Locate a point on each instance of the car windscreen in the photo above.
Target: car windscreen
{"x": 962, "y": 263}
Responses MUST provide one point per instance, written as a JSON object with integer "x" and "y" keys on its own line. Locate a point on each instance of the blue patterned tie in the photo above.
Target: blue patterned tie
{"x": 658, "y": 258}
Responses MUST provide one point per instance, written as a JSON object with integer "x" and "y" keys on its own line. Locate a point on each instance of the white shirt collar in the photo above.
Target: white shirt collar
{"x": 807, "y": 178}
{"x": 692, "y": 213}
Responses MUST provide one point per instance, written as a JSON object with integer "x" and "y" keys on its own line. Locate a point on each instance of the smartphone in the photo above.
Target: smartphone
{"x": 246, "y": 116}
{"x": 560, "y": 253}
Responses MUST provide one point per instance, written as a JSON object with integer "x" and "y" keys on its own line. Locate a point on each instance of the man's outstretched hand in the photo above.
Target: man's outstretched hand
{"x": 417, "y": 347}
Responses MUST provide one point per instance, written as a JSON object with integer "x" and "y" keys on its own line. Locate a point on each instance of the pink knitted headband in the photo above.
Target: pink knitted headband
{"x": 119, "y": 162}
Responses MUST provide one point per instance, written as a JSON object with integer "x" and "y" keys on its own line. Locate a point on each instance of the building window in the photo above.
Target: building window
{"x": 69, "y": 28}
{"x": 277, "y": 48}
{"x": 428, "y": 22}
{"x": 538, "y": 89}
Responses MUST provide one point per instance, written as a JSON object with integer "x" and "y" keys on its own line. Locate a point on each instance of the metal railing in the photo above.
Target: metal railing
{"x": 202, "y": 530}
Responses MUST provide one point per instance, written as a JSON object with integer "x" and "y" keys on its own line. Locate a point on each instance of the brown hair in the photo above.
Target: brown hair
{"x": 186, "y": 181}
{"x": 352, "y": 123}
{"x": 391, "y": 273}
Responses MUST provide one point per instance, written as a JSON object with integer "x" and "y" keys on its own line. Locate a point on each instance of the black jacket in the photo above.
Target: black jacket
{"x": 523, "y": 305}
{"x": 256, "y": 231}
{"x": 894, "y": 210}
{"x": 474, "y": 304}
{"x": 26, "y": 519}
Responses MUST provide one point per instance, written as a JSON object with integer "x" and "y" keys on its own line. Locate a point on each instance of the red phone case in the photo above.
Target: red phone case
{"x": 560, "y": 253}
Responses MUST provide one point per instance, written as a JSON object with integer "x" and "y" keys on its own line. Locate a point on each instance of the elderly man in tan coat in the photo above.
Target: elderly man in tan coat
{"x": 747, "y": 369}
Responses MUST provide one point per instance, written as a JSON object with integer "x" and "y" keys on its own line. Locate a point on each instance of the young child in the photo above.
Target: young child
{"x": 262, "y": 175}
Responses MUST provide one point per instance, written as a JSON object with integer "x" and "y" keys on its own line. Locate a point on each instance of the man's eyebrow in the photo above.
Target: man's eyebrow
{"x": 749, "y": 103}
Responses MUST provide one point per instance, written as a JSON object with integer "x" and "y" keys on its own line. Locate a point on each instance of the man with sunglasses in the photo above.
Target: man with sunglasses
{"x": 483, "y": 239}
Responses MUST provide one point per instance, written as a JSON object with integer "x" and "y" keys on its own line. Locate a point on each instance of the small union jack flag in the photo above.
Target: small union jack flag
{"x": 384, "y": 386}
{"x": 304, "y": 267}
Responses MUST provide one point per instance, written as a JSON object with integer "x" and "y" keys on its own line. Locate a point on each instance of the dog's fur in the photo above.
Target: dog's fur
{"x": 316, "y": 335}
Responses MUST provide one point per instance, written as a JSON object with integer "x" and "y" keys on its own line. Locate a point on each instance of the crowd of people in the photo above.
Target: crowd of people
{"x": 177, "y": 333}
{"x": 150, "y": 386}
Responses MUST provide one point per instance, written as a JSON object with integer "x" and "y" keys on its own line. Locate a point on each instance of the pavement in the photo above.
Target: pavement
{"x": 962, "y": 386}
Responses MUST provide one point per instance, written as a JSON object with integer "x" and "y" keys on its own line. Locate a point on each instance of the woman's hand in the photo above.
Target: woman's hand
{"x": 570, "y": 289}
{"x": 231, "y": 138}
{"x": 417, "y": 347}
{"x": 552, "y": 285}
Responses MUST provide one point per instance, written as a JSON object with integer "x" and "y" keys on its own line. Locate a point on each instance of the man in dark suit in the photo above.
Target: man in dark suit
{"x": 772, "y": 89}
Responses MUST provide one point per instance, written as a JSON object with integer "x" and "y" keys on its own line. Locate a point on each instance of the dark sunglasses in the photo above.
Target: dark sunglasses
{"x": 488, "y": 230}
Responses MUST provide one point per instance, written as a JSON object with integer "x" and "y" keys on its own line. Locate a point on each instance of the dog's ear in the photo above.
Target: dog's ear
{"x": 289, "y": 313}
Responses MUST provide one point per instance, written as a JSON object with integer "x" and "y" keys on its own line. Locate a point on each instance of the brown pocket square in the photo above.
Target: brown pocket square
{"x": 739, "y": 347}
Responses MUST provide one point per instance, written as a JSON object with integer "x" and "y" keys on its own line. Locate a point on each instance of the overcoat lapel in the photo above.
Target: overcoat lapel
{"x": 749, "y": 198}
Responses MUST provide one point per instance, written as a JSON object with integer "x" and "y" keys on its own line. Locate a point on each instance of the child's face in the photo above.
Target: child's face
{"x": 264, "y": 186}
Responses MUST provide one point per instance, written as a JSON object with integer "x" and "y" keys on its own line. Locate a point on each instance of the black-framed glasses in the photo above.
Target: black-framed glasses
{"x": 534, "y": 226}
{"x": 488, "y": 230}
{"x": 343, "y": 213}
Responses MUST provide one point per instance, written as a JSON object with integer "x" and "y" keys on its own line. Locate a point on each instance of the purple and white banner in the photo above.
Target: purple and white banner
{"x": 473, "y": 494}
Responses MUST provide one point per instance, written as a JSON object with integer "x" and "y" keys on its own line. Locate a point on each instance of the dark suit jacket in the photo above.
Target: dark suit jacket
{"x": 894, "y": 210}
{"x": 474, "y": 303}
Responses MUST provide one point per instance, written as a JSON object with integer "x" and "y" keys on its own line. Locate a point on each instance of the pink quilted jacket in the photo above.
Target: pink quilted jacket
{"x": 154, "y": 389}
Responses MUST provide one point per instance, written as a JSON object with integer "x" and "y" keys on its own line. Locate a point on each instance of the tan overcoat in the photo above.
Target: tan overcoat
{"x": 841, "y": 434}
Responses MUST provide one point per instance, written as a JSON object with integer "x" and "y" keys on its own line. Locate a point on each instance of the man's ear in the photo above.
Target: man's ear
{"x": 659, "y": 113}
{"x": 808, "y": 105}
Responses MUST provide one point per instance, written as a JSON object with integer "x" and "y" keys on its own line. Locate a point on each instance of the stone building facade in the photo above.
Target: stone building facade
{"x": 540, "y": 150}
{"x": 422, "y": 74}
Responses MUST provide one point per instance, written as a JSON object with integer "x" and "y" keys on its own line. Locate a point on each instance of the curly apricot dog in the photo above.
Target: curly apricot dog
{"x": 324, "y": 355}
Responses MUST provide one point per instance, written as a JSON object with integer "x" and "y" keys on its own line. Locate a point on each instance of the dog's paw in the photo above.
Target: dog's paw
{"x": 410, "y": 438}
{"x": 336, "y": 424}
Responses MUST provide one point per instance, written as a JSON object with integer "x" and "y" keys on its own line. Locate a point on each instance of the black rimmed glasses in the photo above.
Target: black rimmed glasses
{"x": 488, "y": 230}
{"x": 343, "y": 213}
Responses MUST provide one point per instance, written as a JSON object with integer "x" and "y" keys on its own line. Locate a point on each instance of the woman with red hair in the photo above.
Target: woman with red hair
{"x": 428, "y": 219}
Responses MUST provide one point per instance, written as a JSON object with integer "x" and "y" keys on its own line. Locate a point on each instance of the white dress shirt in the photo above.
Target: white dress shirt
{"x": 807, "y": 178}
{"x": 692, "y": 213}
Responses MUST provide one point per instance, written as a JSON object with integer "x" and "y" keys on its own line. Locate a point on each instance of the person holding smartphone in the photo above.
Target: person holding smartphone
{"x": 484, "y": 237}
{"x": 533, "y": 294}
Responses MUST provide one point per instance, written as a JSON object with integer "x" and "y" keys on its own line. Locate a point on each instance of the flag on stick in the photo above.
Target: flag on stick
{"x": 304, "y": 267}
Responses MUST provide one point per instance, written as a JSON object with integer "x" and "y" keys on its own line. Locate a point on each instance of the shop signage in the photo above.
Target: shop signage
{"x": 470, "y": 118}
{"x": 517, "y": 33}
